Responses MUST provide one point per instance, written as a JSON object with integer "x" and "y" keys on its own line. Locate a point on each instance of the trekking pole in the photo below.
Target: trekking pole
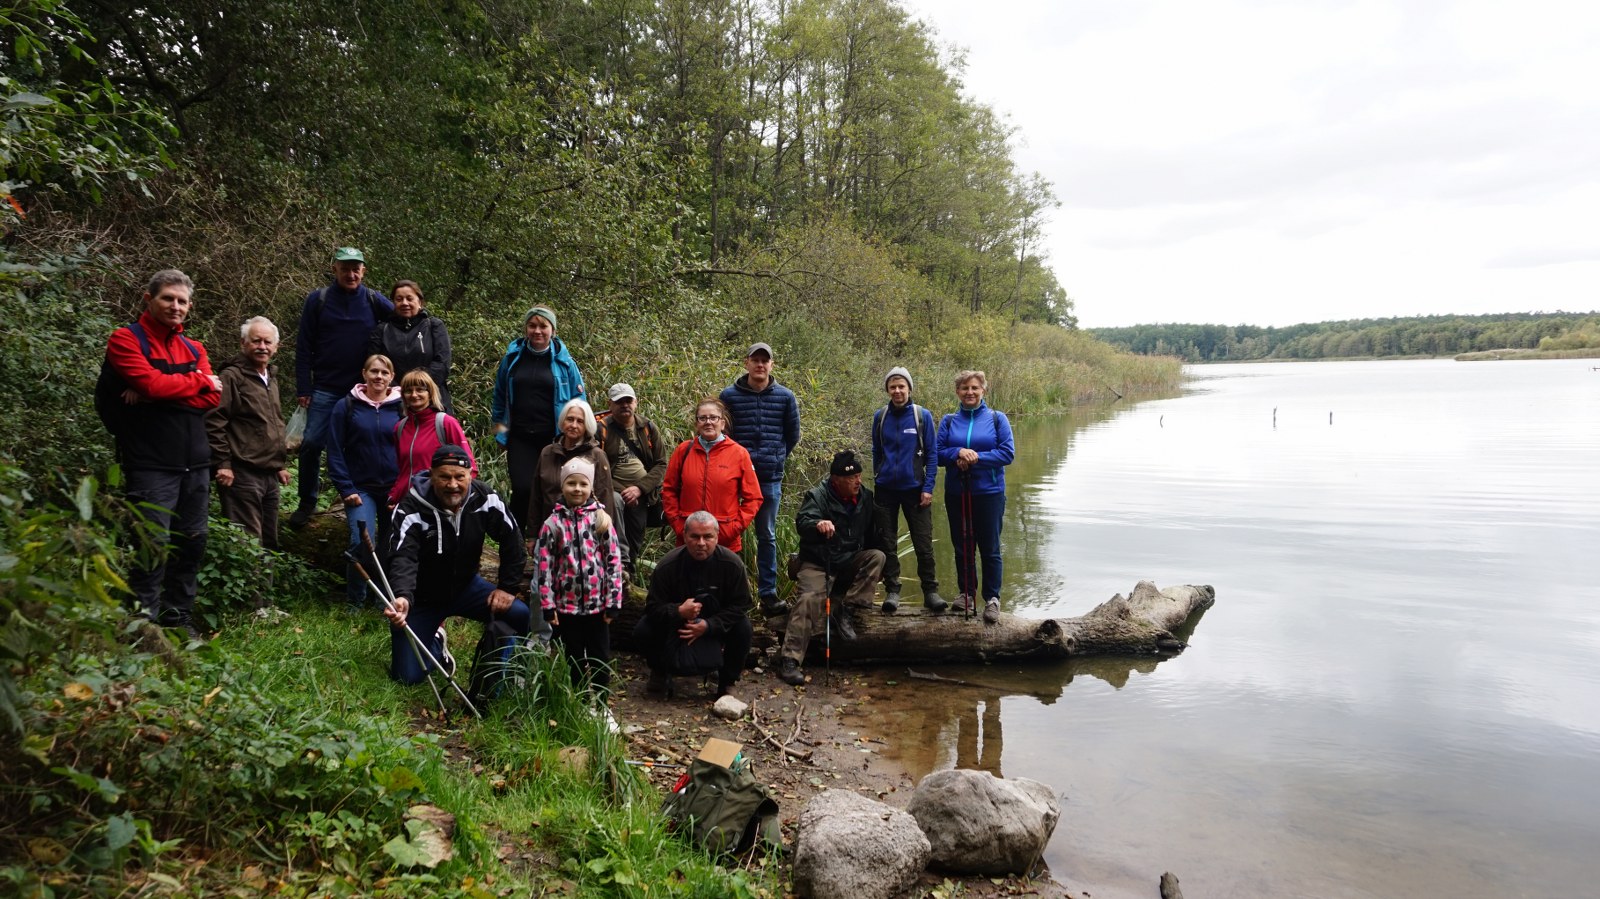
{"x": 388, "y": 600}
{"x": 366, "y": 543}
{"x": 968, "y": 549}
{"x": 416, "y": 646}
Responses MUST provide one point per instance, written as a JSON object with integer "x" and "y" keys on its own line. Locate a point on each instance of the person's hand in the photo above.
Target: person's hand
{"x": 130, "y": 396}
{"x": 216, "y": 383}
{"x": 499, "y": 600}
{"x": 693, "y": 631}
{"x": 609, "y": 617}
{"x": 689, "y": 609}
{"x": 283, "y": 476}
{"x": 630, "y": 495}
{"x": 926, "y": 501}
{"x": 304, "y": 401}
{"x": 397, "y": 612}
{"x": 352, "y": 501}
{"x": 965, "y": 457}
{"x": 825, "y": 528}
{"x": 225, "y": 477}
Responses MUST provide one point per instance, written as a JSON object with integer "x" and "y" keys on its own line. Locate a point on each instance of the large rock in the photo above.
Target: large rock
{"x": 851, "y": 847}
{"x": 981, "y": 824}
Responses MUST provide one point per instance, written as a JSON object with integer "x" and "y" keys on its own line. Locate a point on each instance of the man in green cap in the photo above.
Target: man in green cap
{"x": 329, "y": 349}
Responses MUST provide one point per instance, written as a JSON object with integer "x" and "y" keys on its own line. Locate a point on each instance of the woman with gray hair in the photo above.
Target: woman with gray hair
{"x": 575, "y": 440}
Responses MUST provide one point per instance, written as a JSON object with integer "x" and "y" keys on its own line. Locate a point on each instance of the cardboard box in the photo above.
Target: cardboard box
{"x": 720, "y": 752}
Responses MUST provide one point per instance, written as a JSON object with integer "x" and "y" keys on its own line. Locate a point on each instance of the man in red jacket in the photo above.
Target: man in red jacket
{"x": 167, "y": 387}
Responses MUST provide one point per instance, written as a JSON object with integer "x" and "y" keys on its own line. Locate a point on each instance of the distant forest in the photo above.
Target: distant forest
{"x": 1429, "y": 335}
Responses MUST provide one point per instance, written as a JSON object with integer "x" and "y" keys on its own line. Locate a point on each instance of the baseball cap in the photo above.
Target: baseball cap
{"x": 621, "y": 391}
{"x": 349, "y": 254}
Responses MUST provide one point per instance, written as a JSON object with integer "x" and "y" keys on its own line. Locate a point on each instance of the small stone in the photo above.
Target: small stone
{"x": 730, "y": 707}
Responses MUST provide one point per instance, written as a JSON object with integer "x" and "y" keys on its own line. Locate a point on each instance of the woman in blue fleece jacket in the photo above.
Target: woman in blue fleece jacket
{"x": 974, "y": 446}
{"x": 362, "y": 461}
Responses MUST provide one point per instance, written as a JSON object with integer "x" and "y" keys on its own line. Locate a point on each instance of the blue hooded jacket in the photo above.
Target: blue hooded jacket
{"x": 904, "y": 453}
{"x": 765, "y": 422}
{"x": 361, "y": 449}
{"x": 569, "y": 381}
{"x": 981, "y": 429}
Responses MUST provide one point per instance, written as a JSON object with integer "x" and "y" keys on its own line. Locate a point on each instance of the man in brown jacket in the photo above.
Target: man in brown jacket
{"x": 638, "y": 453}
{"x": 248, "y": 455}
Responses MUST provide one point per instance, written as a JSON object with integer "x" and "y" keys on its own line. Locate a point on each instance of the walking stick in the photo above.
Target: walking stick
{"x": 388, "y": 599}
{"x": 416, "y": 646}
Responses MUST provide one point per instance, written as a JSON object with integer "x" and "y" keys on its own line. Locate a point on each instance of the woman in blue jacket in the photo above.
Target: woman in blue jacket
{"x": 362, "y": 460}
{"x": 535, "y": 380}
{"x": 974, "y": 446}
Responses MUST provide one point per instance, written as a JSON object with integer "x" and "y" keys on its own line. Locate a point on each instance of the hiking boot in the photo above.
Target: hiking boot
{"x": 891, "y": 602}
{"x": 789, "y": 672}
{"x": 773, "y": 607}
{"x": 172, "y": 619}
{"x": 658, "y": 684}
{"x": 302, "y": 516}
{"x": 843, "y": 626}
{"x": 991, "y": 610}
{"x": 723, "y": 689}
{"x": 933, "y": 602}
{"x": 446, "y": 660}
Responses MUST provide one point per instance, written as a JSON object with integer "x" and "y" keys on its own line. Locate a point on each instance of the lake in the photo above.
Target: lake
{"x": 1398, "y": 690}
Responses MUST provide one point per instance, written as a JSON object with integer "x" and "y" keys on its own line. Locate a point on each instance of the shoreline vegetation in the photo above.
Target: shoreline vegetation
{"x": 675, "y": 187}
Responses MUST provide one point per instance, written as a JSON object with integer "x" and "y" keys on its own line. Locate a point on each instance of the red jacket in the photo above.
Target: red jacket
{"x": 722, "y": 482}
{"x": 415, "y": 442}
{"x": 171, "y": 434}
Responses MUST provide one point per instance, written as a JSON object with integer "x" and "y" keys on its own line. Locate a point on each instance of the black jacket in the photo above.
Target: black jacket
{"x": 434, "y": 556}
{"x": 721, "y": 582}
{"x": 853, "y": 528}
{"x": 417, "y": 342}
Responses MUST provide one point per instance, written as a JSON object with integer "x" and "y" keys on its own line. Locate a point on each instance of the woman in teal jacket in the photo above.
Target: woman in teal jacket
{"x": 536, "y": 378}
{"x": 974, "y": 446}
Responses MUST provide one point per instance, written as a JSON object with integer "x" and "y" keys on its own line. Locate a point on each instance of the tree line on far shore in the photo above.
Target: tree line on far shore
{"x": 1428, "y": 335}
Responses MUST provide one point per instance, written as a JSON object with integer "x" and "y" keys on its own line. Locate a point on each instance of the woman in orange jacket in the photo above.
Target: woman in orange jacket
{"x": 710, "y": 471}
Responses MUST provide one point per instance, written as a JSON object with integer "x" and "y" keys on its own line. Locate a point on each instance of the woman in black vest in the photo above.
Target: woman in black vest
{"x": 414, "y": 339}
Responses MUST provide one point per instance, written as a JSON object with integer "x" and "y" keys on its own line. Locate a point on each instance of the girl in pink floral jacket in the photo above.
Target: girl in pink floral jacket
{"x": 578, "y": 573}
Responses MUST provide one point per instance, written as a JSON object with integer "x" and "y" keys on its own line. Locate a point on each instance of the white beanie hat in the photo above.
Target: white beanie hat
{"x": 578, "y": 465}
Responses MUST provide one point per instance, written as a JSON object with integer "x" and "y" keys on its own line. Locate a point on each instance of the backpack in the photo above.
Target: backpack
{"x": 438, "y": 427}
{"x": 117, "y": 415}
{"x": 725, "y": 810}
{"x": 491, "y": 662}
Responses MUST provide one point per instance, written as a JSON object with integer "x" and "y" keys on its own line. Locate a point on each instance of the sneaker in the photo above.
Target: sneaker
{"x": 991, "y": 611}
{"x": 773, "y": 607}
{"x": 962, "y": 604}
{"x": 608, "y": 719}
{"x": 789, "y": 672}
{"x": 446, "y": 660}
{"x": 933, "y": 602}
{"x": 302, "y": 516}
{"x": 891, "y": 602}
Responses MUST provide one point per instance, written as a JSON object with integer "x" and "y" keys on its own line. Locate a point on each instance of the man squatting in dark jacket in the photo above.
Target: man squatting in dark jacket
{"x": 166, "y": 390}
{"x": 838, "y": 543}
{"x": 698, "y": 591}
{"x": 436, "y": 541}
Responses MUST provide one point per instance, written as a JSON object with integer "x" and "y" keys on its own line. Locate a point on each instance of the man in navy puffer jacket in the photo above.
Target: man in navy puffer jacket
{"x": 766, "y": 422}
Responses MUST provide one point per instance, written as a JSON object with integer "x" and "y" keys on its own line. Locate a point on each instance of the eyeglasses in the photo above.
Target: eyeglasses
{"x": 708, "y": 418}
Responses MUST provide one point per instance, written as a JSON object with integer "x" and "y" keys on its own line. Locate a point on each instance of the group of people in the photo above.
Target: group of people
{"x": 584, "y": 488}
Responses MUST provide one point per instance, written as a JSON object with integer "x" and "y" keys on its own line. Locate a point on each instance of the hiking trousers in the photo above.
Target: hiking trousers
{"x": 887, "y": 505}
{"x": 852, "y": 590}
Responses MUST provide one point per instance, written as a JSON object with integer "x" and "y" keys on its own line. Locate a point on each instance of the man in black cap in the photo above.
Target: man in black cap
{"x": 436, "y": 541}
{"x": 839, "y": 558}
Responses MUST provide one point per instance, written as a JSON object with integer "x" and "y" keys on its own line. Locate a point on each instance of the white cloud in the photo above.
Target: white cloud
{"x": 1270, "y": 163}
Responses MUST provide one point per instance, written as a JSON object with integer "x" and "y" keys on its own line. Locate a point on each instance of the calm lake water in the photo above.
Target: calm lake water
{"x": 1397, "y": 693}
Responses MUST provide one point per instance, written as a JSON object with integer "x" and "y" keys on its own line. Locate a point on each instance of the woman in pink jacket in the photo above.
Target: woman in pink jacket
{"x": 423, "y": 428}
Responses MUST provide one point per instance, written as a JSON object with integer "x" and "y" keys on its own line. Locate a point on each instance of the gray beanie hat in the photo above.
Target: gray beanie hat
{"x": 900, "y": 371}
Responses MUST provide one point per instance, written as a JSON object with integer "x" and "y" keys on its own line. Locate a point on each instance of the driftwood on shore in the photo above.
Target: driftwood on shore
{"x": 1143, "y": 623}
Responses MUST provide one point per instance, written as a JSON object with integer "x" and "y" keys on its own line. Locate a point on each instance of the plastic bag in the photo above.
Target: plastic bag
{"x": 297, "y": 429}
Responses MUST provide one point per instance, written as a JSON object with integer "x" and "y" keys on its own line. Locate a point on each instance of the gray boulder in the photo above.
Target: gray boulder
{"x": 851, "y": 847}
{"x": 981, "y": 824}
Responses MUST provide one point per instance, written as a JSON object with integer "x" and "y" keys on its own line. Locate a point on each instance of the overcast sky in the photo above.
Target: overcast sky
{"x": 1269, "y": 163}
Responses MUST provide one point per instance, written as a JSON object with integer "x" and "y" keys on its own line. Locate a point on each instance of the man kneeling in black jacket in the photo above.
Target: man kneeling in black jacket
{"x": 699, "y": 591}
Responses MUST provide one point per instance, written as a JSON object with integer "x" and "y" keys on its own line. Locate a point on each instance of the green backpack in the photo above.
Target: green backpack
{"x": 723, "y": 810}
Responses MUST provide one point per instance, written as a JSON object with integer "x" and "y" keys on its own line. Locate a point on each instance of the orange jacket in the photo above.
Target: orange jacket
{"x": 722, "y": 482}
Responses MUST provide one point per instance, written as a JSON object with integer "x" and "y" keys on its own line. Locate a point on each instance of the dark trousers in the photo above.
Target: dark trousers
{"x": 887, "y": 505}
{"x": 427, "y": 613}
{"x": 975, "y": 521}
{"x": 587, "y": 642}
{"x": 522, "y": 466}
{"x": 252, "y": 503}
{"x": 318, "y": 415}
{"x": 635, "y": 519}
{"x": 661, "y": 645}
{"x": 175, "y": 503}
